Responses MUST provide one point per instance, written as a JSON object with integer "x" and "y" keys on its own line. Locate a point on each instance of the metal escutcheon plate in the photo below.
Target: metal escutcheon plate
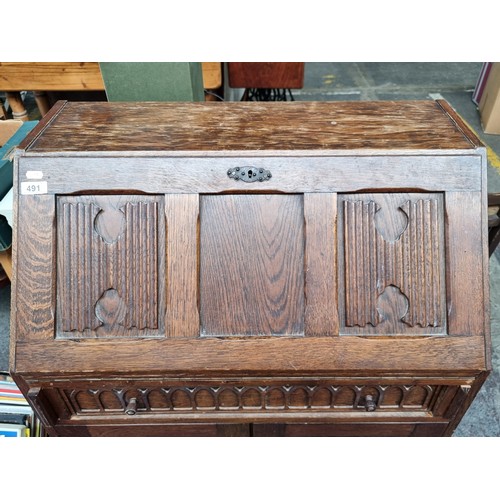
{"x": 249, "y": 174}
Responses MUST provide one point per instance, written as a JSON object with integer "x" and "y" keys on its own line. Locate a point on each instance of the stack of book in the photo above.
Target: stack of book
{"x": 16, "y": 415}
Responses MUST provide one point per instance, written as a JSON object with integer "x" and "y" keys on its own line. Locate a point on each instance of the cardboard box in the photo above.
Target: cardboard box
{"x": 489, "y": 104}
{"x": 7, "y": 129}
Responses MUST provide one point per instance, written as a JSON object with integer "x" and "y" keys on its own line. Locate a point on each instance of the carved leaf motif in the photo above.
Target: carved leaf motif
{"x": 392, "y": 305}
{"x": 110, "y": 308}
{"x": 390, "y": 224}
{"x": 109, "y": 224}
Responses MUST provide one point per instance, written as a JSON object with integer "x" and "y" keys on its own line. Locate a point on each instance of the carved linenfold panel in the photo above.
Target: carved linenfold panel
{"x": 394, "y": 264}
{"x": 78, "y": 264}
{"x": 421, "y": 249}
{"x": 108, "y": 265}
{"x": 360, "y": 263}
{"x": 203, "y": 398}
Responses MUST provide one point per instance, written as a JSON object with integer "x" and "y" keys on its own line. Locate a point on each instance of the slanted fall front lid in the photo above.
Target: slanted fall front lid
{"x": 251, "y": 126}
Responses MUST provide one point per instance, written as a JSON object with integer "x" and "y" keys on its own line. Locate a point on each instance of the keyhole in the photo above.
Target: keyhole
{"x": 249, "y": 173}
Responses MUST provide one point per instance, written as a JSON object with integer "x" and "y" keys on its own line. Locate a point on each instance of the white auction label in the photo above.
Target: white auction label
{"x": 34, "y": 187}
{"x": 34, "y": 174}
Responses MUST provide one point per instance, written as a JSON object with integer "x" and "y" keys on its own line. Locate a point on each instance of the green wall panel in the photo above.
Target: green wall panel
{"x": 155, "y": 81}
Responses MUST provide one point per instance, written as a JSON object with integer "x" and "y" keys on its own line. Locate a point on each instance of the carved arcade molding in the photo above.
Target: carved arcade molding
{"x": 250, "y": 398}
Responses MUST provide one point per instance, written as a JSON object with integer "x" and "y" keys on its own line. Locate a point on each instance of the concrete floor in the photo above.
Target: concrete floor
{"x": 395, "y": 81}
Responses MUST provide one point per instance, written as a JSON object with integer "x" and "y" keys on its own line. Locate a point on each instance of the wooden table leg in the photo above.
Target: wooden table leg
{"x": 3, "y": 112}
{"x": 6, "y": 262}
{"x": 17, "y": 106}
{"x": 42, "y": 101}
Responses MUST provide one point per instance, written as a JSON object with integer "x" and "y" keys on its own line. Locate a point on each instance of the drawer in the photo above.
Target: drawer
{"x": 276, "y": 401}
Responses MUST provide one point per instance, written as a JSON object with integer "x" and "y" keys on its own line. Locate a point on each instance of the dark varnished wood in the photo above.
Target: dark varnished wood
{"x": 155, "y": 295}
{"x": 35, "y": 284}
{"x": 252, "y": 265}
{"x": 253, "y": 355}
{"x": 139, "y": 430}
{"x": 54, "y": 111}
{"x": 349, "y": 430}
{"x": 459, "y": 123}
{"x": 392, "y": 246}
{"x": 182, "y": 274}
{"x": 321, "y": 310}
{"x": 465, "y": 255}
{"x": 109, "y": 258}
{"x": 259, "y": 430}
{"x": 264, "y": 126}
{"x": 163, "y": 401}
{"x": 252, "y": 402}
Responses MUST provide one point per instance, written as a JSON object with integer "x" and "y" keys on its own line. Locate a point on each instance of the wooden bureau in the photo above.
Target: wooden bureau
{"x": 265, "y": 269}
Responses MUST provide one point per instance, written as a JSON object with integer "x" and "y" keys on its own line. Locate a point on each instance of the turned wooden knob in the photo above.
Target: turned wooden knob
{"x": 131, "y": 408}
{"x": 370, "y": 404}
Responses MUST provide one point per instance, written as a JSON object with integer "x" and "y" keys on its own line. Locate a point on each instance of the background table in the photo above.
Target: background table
{"x": 43, "y": 77}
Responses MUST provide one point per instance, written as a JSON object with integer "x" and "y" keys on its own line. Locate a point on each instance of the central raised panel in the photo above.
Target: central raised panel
{"x": 252, "y": 265}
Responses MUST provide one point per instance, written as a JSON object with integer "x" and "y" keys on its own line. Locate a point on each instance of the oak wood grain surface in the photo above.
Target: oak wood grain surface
{"x": 157, "y": 401}
{"x": 214, "y": 430}
{"x": 182, "y": 274}
{"x": 35, "y": 260}
{"x": 152, "y": 288}
{"x": 291, "y": 174}
{"x": 251, "y": 126}
{"x": 393, "y": 268}
{"x": 251, "y": 268}
{"x": 99, "y": 403}
{"x": 349, "y": 430}
{"x": 465, "y": 253}
{"x": 294, "y": 356}
{"x": 321, "y": 309}
{"x": 110, "y": 254}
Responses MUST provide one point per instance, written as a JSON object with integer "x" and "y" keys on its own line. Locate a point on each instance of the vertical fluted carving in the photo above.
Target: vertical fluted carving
{"x": 422, "y": 282}
{"x": 80, "y": 278}
{"x": 108, "y": 247}
{"x": 411, "y": 264}
{"x": 141, "y": 272}
{"x": 360, "y": 263}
